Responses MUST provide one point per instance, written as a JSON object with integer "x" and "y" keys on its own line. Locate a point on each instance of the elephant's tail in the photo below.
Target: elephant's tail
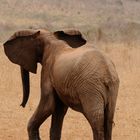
{"x": 108, "y": 120}
{"x": 109, "y": 111}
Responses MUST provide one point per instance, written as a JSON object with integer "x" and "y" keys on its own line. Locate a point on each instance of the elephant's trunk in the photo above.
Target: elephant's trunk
{"x": 26, "y": 86}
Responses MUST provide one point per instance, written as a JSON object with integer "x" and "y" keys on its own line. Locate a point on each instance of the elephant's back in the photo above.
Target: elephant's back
{"x": 82, "y": 72}
{"x": 95, "y": 67}
{"x": 94, "y": 63}
{"x": 82, "y": 64}
{"x": 92, "y": 73}
{"x": 68, "y": 61}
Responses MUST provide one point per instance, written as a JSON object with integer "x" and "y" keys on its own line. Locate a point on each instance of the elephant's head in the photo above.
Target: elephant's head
{"x": 22, "y": 49}
{"x": 25, "y": 48}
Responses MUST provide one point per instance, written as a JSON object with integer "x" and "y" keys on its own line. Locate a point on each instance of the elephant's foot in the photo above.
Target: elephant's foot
{"x": 55, "y": 137}
{"x": 34, "y": 136}
{"x": 98, "y": 135}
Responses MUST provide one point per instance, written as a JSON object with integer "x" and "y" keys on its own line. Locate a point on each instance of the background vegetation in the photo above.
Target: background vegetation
{"x": 107, "y": 20}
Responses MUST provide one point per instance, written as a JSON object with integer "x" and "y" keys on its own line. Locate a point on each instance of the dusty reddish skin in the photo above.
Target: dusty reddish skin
{"x": 80, "y": 77}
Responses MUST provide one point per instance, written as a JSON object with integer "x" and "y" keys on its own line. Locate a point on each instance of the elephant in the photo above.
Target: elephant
{"x": 74, "y": 74}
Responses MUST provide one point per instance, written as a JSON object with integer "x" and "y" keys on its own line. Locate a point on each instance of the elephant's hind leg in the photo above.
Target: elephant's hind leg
{"x": 57, "y": 120}
{"x": 44, "y": 110}
{"x": 93, "y": 109}
{"x": 96, "y": 120}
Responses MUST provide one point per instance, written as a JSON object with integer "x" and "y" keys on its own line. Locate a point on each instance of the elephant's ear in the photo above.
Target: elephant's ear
{"x": 21, "y": 49}
{"x": 73, "y": 38}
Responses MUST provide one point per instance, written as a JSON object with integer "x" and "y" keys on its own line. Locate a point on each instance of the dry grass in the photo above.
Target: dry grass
{"x": 13, "y": 119}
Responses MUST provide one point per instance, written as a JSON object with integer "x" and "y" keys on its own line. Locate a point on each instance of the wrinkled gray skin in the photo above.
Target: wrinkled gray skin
{"x": 80, "y": 77}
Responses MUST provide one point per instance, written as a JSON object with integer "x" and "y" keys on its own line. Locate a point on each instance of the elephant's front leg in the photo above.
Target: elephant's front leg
{"x": 57, "y": 120}
{"x": 44, "y": 110}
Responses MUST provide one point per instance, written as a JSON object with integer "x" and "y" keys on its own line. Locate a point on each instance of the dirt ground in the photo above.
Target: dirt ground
{"x": 13, "y": 118}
